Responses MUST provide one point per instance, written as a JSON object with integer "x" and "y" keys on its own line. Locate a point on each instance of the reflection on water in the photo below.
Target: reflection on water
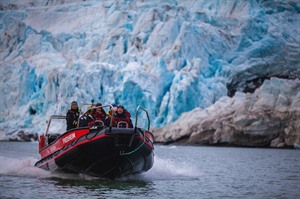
{"x": 98, "y": 187}
{"x": 99, "y": 184}
{"x": 56, "y": 187}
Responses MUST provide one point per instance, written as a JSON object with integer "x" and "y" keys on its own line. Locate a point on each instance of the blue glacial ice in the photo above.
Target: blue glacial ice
{"x": 168, "y": 56}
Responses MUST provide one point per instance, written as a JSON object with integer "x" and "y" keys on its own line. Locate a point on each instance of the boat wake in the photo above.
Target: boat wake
{"x": 163, "y": 169}
{"x": 21, "y": 167}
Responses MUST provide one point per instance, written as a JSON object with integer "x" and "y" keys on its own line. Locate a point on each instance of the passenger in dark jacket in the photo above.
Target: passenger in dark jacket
{"x": 72, "y": 116}
{"x": 87, "y": 119}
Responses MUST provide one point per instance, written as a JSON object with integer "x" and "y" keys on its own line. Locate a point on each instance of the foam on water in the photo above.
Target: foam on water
{"x": 21, "y": 167}
{"x": 25, "y": 167}
{"x": 166, "y": 169}
{"x": 162, "y": 169}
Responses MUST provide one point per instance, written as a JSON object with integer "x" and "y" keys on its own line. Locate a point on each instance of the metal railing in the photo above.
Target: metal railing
{"x": 136, "y": 116}
{"x": 51, "y": 118}
{"x": 59, "y": 117}
{"x": 111, "y": 119}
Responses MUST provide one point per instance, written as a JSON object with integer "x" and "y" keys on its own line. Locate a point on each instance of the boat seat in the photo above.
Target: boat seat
{"x": 122, "y": 124}
{"x": 52, "y": 137}
{"x": 98, "y": 123}
{"x": 97, "y": 126}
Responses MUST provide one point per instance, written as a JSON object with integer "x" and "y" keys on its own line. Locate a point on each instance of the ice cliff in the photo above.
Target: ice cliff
{"x": 168, "y": 56}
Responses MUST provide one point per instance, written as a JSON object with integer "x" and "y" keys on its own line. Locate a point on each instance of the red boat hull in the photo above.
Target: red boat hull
{"x": 107, "y": 153}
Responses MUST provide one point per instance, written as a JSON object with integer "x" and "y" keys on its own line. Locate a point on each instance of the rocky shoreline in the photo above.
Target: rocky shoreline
{"x": 269, "y": 117}
{"x": 21, "y": 136}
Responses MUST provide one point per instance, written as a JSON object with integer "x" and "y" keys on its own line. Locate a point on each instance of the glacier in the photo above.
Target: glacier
{"x": 171, "y": 56}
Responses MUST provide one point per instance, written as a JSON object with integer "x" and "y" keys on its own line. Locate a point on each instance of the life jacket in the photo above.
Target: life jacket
{"x": 127, "y": 113}
{"x": 99, "y": 116}
{"x": 90, "y": 120}
{"x": 123, "y": 117}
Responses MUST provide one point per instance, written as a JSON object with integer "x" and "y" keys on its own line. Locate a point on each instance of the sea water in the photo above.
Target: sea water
{"x": 178, "y": 172}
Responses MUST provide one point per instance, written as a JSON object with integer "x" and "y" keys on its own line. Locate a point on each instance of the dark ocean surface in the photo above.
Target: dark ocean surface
{"x": 178, "y": 172}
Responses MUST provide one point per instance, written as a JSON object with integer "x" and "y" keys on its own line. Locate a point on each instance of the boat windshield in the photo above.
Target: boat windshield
{"x": 56, "y": 125}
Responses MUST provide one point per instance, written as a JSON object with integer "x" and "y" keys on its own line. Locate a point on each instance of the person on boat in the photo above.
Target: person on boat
{"x": 88, "y": 118}
{"x": 100, "y": 113}
{"x": 122, "y": 115}
{"x": 112, "y": 112}
{"x": 72, "y": 116}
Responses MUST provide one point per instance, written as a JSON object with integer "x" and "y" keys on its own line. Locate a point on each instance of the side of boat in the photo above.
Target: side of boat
{"x": 106, "y": 152}
{"x": 103, "y": 153}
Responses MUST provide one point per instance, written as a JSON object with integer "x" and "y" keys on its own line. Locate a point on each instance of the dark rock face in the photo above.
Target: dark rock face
{"x": 270, "y": 117}
{"x": 250, "y": 85}
{"x": 24, "y": 137}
